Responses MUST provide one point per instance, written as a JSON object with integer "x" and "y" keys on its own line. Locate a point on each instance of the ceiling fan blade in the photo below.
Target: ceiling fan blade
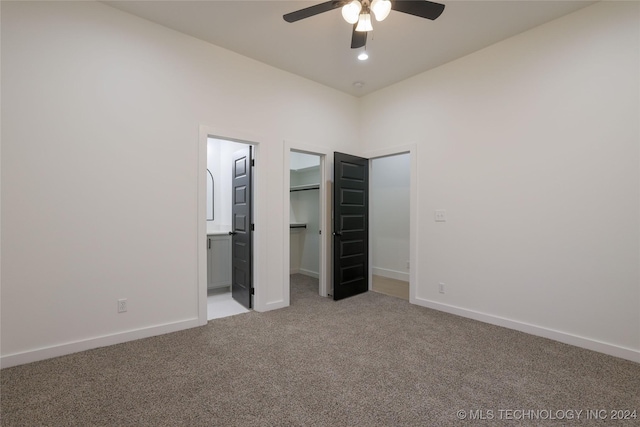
{"x": 358, "y": 38}
{"x": 311, "y": 11}
{"x": 421, "y": 8}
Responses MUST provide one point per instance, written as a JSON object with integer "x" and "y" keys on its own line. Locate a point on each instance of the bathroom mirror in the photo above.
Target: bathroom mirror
{"x": 209, "y": 195}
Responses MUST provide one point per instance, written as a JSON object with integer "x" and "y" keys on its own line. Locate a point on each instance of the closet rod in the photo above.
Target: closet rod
{"x": 305, "y": 187}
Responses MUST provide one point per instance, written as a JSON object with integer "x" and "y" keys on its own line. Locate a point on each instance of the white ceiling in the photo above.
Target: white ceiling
{"x": 318, "y": 48}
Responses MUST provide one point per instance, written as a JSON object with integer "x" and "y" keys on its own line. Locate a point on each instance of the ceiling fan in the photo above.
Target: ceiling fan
{"x": 358, "y": 13}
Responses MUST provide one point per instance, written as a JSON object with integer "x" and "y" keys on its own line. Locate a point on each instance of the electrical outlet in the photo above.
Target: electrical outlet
{"x": 441, "y": 215}
{"x": 441, "y": 288}
{"x": 122, "y": 305}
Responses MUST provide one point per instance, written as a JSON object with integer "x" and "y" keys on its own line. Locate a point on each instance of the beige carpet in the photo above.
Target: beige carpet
{"x": 369, "y": 360}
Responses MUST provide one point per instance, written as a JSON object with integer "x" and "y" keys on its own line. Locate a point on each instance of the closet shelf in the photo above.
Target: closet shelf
{"x": 305, "y": 187}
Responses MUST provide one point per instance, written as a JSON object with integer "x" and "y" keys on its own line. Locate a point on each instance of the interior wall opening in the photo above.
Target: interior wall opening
{"x": 390, "y": 179}
{"x": 220, "y": 169}
{"x": 305, "y": 222}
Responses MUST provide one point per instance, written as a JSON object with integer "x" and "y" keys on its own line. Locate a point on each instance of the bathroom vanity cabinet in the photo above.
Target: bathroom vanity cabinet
{"x": 218, "y": 260}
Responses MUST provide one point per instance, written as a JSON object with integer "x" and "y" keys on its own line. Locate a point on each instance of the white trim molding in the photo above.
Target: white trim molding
{"x": 30, "y": 356}
{"x": 412, "y": 150}
{"x": 552, "y": 334}
{"x": 326, "y": 164}
{"x": 259, "y": 206}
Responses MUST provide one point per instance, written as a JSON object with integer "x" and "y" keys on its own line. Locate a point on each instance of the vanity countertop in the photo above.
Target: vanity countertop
{"x": 217, "y": 230}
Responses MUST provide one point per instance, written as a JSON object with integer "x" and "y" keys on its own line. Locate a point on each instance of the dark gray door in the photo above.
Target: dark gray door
{"x": 241, "y": 226}
{"x": 350, "y": 225}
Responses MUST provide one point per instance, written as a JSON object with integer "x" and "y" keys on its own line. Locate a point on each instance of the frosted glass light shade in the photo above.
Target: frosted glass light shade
{"x": 351, "y": 11}
{"x": 380, "y": 9}
{"x": 364, "y": 23}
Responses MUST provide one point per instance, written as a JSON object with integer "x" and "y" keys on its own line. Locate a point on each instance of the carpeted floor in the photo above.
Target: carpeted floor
{"x": 369, "y": 360}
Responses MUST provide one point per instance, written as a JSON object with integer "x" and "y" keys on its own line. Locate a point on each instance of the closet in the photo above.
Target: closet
{"x": 304, "y": 214}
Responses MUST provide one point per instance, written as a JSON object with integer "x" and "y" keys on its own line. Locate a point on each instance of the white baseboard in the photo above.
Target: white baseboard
{"x": 309, "y": 273}
{"x": 271, "y": 305}
{"x": 563, "y": 337}
{"x": 391, "y": 274}
{"x": 74, "y": 347}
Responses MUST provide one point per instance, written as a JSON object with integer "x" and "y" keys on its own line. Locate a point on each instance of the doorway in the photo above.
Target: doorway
{"x": 408, "y": 154}
{"x": 390, "y": 183}
{"x": 305, "y": 175}
{"x": 229, "y": 165}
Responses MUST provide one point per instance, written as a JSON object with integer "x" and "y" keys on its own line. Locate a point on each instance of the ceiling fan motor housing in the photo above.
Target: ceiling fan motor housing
{"x": 361, "y": 9}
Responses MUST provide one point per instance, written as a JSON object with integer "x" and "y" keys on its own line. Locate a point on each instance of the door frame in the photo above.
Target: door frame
{"x": 259, "y": 236}
{"x": 325, "y": 214}
{"x": 412, "y": 150}
{"x": 326, "y": 188}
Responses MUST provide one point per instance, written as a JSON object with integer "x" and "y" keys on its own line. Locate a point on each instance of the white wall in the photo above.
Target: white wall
{"x": 101, "y": 114}
{"x": 219, "y": 162}
{"x": 302, "y": 160}
{"x": 389, "y": 215}
{"x": 213, "y": 165}
{"x": 532, "y": 147}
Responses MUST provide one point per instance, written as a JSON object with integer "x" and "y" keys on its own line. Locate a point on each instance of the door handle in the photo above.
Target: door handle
{"x": 232, "y": 233}
{"x": 337, "y": 233}
{"x": 209, "y": 243}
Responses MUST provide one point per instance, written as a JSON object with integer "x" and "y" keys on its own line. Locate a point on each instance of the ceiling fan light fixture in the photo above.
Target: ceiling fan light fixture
{"x": 364, "y": 23}
{"x": 380, "y": 9}
{"x": 351, "y": 11}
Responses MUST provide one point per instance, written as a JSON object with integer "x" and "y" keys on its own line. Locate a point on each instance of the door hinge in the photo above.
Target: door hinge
{"x": 253, "y": 291}
{"x": 253, "y": 162}
{"x": 253, "y": 227}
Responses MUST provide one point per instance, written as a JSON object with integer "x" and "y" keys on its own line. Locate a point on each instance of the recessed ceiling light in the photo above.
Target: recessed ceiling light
{"x": 363, "y": 56}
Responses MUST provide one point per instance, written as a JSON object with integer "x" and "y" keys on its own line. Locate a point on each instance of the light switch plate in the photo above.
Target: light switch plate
{"x": 441, "y": 215}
